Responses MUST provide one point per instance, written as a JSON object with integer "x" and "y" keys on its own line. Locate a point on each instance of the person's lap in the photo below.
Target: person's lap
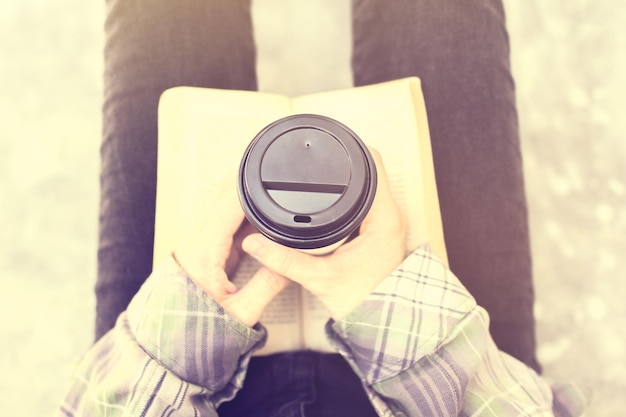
{"x": 458, "y": 48}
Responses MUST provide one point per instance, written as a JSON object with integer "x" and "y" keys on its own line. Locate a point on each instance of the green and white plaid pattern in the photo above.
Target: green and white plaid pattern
{"x": 423, "y": 347}
{"x": 419, "y": 342}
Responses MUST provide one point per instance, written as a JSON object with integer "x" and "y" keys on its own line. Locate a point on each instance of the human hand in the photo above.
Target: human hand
{"x": 342, "y": 279}
{"x": 211, "y": 253}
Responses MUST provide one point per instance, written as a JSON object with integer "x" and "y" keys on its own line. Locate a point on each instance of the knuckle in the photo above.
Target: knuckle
{"x": 285, "y": 263}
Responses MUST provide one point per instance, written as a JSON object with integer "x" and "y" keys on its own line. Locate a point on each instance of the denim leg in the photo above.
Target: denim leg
{"x": 278, "y": 385}
{"x": 151, "y": 46}
{"x": 299, "y": 384}
{"x": 460, "y": 50}
{"x": 338, "y": 390}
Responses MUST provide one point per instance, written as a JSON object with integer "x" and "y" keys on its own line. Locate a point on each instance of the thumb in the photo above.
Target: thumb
{"x": 249, "y": 302}
{"x": 291, "y": 263}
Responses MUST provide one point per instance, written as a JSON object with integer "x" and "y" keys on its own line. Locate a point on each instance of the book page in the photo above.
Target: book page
{"x": 203, "y": 134}
{"x": 431, "y": 204}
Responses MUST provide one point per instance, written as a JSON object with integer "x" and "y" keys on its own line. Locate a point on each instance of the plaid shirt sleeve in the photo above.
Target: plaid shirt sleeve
{"x": 421, "y": 345}
{"x": 419, "y": 342}
{"x": 174, "y": 351}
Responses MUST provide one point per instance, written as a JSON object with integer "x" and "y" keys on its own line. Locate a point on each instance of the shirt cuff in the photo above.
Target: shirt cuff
{"x": 410, "y": 314}
{"x": 190, "y": 334}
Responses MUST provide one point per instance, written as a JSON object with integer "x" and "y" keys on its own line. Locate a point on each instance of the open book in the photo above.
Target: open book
{"x": 202, "y": 137}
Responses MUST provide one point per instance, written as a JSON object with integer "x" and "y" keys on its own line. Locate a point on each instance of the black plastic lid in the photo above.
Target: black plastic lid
{"x": 306, "y": 181}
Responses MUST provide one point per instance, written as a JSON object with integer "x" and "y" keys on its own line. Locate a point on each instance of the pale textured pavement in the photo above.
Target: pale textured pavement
{"x": 569, "y": 67}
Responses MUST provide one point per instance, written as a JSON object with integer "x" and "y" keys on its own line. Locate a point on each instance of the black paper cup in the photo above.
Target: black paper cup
{"x": 307, "y": 181}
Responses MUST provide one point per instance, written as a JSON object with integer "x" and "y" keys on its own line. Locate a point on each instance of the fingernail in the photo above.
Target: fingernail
{"x": 253, "y": 245}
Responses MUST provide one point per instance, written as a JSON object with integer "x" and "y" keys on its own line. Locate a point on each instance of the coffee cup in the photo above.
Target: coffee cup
{"x": 307, "y": 182}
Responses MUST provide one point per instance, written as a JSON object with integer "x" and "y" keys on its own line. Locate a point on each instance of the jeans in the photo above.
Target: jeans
{"x": 460, "y": 50}
{"x": 299, "y": 384}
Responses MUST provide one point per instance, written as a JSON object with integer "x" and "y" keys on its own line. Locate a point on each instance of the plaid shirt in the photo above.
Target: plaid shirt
{"x": 419, "y": 342}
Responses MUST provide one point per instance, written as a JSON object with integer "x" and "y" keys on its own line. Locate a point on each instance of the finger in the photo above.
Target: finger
{"x": 225, "y": 214}
{"x": 217, "y": 286}
{"x": 223, "y": 219}
{"x": 250, "y": 301}
{"x": 384, "y": 212}
{"x": 293, "y": 264}
{"x": 236, "y": 252}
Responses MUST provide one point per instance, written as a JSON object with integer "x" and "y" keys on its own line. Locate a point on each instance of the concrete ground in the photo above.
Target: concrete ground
{"x": 568, "y": 60}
